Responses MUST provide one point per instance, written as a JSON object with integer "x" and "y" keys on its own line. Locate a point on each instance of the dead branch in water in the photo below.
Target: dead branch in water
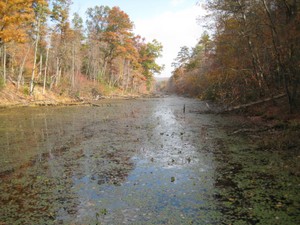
{"x": 216, "y": 110}
{"x": 243, "y": 106}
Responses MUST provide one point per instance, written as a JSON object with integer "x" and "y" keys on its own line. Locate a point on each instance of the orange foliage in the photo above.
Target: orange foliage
{"x": 15, "y": 16}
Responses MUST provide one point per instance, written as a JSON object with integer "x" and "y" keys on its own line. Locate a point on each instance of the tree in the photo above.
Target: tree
{"x": 59, "y": 41}
{"x": 112, "y": 41}
{"x": 41, "y": 11}
{"x": 96, "y": 58}
{"x": 182, "y": 58}
{"x": 189, "y": 66}
{"x": 149, "y": 52}
{"x": 60, "y": 15}
{"x": 254, "y": 53}
{"x": 118, "y": 36}
{"x": 31, "y": 49}
{"x": 15, "y": 16}
{"x": 76, "y": 47}
{"x": 282, "y": 19}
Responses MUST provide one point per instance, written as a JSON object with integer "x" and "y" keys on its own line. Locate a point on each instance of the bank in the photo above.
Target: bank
{"x": 10, "y": 96}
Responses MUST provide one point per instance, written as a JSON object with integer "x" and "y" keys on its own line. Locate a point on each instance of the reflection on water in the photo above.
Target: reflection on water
{"x": 117, "y": 163}
{"x": 130, "y": 162}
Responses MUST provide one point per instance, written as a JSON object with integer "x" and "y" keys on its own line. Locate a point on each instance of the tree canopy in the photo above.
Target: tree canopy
{"x": 41, "y": 44}
{"x": 252, "y": 52}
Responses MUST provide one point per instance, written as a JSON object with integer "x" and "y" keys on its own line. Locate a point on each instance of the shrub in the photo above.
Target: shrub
{"x": 2, "y": 84}
{"x": 26, "y": 90}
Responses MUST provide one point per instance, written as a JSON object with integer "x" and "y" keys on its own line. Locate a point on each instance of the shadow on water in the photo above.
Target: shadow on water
{"x": 132, "y": 162}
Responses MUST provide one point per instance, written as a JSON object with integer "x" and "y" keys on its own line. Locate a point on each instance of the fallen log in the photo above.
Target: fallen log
{"x": 93, "y": 104}
{"x": 243, "y": 106}
{"x": 249, "y": 130}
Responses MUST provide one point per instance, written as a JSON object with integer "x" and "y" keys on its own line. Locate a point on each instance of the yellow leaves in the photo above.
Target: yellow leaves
{"x": 14, "y": 17}
{"x": 2, "y": 6}
{"x": 13, "y": 34}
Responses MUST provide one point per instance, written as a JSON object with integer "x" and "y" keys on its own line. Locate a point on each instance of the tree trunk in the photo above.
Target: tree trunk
{"x": 281, "y": 66}
{"x": 59, "y": 76}
{"x": 41, "y": 67}
{"x": 22, "y": 68}
{"x": 35, "y": 56}
{"x": 73, "y": 68}
{"x": 255, "y": 103}
{"x": 256, "y": 63}
{"x": 104, "y": 70}
{"x": 46, "y": 68}
{"x": 128, "y": 75}
{"x": 57, "y": 71}
{"x": 4, "y": 63}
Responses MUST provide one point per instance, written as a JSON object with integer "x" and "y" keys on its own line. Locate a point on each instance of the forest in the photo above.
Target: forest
{"x": 45, "y": 49}
{"x": 250, "y": 51}
{"x": 86, "y": 138}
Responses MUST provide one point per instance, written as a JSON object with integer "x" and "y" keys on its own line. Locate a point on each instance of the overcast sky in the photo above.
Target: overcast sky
{"x": 171, "y": 22}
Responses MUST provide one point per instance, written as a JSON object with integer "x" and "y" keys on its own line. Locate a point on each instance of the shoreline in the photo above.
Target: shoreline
{"x": 71, "y": 101}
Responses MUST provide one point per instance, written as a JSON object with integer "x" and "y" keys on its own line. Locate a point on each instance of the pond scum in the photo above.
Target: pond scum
{"x": 144, "y": 162}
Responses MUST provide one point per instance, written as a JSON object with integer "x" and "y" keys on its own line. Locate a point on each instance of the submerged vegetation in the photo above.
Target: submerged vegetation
{"x": 146, "y": 162}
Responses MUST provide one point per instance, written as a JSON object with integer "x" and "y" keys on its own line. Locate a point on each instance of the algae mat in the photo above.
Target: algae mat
{"x": 139, "y": 161}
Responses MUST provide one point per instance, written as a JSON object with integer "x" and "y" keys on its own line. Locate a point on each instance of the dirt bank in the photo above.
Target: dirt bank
{"x": 11, "y": 97}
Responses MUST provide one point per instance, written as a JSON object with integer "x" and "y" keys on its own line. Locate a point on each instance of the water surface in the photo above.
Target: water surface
{"x": 136, "y": 162}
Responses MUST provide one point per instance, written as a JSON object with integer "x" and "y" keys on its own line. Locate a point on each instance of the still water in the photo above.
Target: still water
{"x": 137, "y": 162}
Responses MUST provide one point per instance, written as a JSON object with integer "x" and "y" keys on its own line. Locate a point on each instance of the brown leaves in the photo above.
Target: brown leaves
{"x": 15, "y": 17}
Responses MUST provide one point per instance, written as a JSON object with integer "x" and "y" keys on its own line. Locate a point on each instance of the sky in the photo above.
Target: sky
{"x": 172, "y": 22}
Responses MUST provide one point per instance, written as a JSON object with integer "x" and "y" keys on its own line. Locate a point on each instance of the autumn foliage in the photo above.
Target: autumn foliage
{"x": 42, "y": 45}
{"x": 252, "y": 52}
